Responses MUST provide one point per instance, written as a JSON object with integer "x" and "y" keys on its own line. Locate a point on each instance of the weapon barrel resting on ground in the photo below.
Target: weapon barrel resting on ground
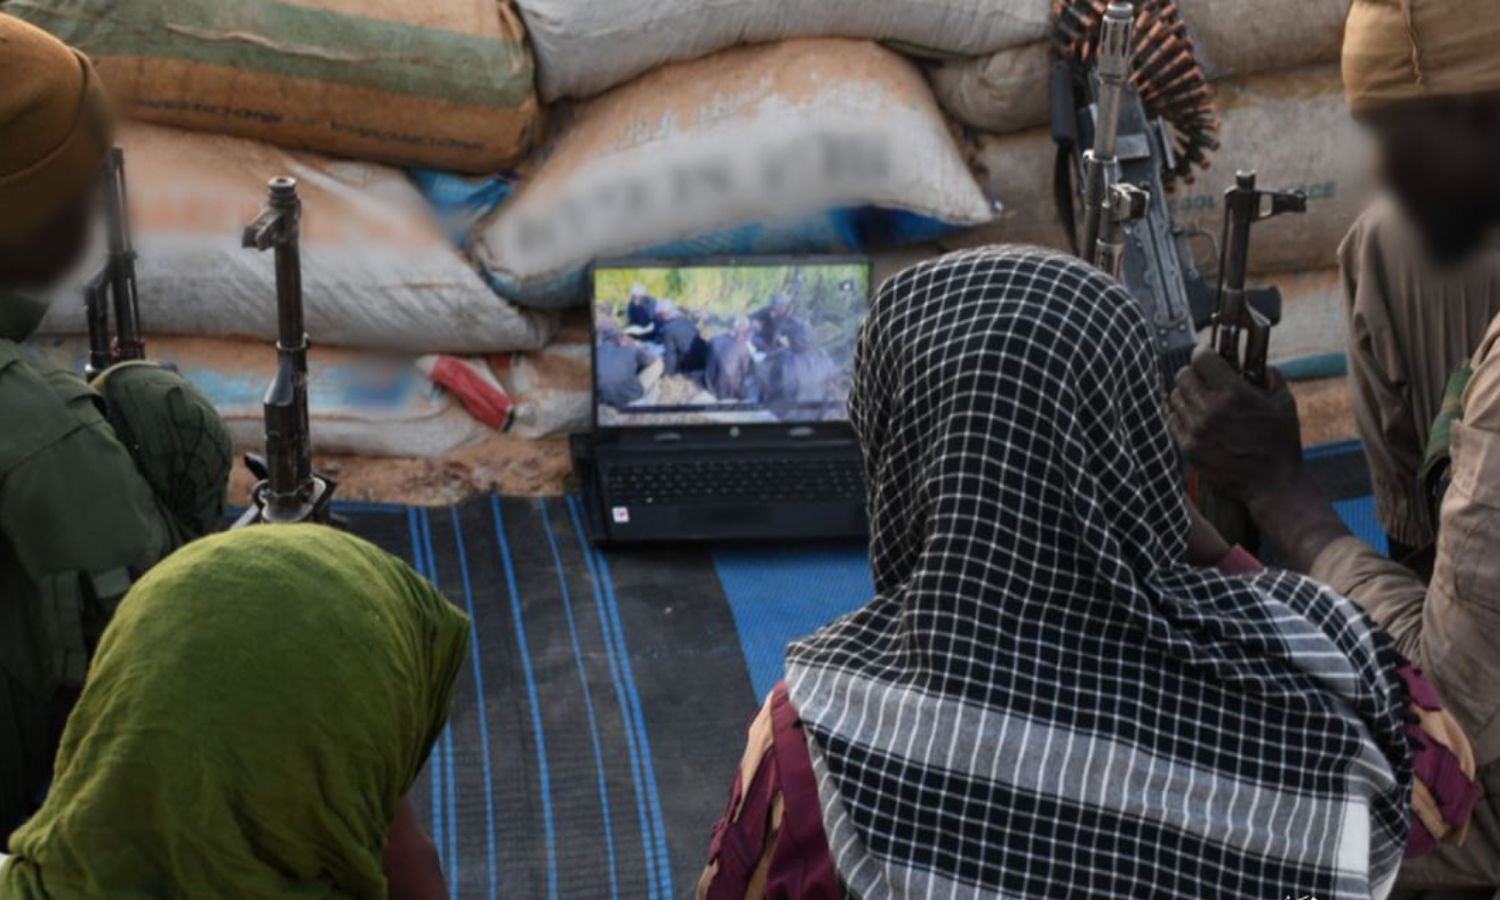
{"x": 290, "y": 490}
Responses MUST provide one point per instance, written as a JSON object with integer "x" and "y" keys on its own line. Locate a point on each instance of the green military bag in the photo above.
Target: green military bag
{"x": 180, "y": 444}
{"x": 1437, "y": 463}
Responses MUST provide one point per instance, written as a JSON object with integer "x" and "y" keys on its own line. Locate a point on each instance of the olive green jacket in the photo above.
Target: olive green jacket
{"x": 77, "y": 524}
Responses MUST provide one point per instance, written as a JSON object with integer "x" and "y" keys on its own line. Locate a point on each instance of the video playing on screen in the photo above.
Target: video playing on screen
{"x": 740, "y": 344}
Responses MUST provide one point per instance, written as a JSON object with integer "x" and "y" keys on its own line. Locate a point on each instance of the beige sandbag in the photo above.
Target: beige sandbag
{"x": 1291, "y": 128}
{"x": 376, "y": 269}
{"x": 442, "y": 83}
{"x": 1007, "y": 91}
{"x": 359, "y": 402}
{"x": 751, "y": 151}
{"x": 554, "y": 385}
{"x": 587, "y": 46}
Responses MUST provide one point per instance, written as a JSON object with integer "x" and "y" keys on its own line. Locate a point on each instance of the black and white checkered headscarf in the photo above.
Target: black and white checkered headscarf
{"x": 1041, "y": 700}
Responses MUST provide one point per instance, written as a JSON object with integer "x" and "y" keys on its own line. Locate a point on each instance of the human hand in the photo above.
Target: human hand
{"x": 1244, "y": 441}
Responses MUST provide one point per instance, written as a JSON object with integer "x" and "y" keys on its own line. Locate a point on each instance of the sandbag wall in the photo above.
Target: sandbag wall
{"x": 442, "y": 83}
{"x": 446, "y": 211}
{"x": 219, "y": 97}
{"x": 378, "y": 272}
{"x": 801, "y": 146}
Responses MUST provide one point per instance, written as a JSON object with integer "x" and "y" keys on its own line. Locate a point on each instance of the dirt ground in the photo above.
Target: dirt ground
{"x": 1327, "y": 414}
{"x": 508, "y": 465}
{"x": 537, "y": 468}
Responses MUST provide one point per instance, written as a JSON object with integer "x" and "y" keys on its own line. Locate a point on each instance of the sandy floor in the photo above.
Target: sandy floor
{"x": 509, "y": 465}
{"x": 1327, "y": 415}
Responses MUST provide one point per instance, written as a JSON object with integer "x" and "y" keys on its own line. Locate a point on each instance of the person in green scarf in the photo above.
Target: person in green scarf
{"x": 256, "y": 713}
{"x": 86, "y": 505}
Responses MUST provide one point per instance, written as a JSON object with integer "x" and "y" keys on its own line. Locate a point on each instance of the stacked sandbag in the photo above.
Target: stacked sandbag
{"x": 443, "y": 83}
{"x": 803, "y": 146}
{"x": 1292, "y": 128}
{"x": 360, "y": 403}
{"x": 587, "y": 46}
{"x": 553, "y": 386}
{"x": 1008, "y": 91}
{"x": 378, "y": 272}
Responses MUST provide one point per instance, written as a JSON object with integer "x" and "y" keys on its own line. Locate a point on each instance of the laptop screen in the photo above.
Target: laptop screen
{"x": 726, "y": 344}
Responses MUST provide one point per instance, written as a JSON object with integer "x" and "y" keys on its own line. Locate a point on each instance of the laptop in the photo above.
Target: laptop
{"x": 720, "y": 399}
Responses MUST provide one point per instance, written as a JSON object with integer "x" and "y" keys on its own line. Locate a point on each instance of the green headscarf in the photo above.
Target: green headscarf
{"x": 256, "y": 712}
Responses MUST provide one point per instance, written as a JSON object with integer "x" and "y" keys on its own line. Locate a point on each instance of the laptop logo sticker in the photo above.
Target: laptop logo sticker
{"x": 621, "y": 515}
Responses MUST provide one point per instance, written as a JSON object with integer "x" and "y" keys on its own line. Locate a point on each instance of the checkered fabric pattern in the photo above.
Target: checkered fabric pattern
{"x": 1040, "y": 701}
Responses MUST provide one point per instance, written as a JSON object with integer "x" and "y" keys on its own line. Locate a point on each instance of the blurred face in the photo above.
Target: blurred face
{"x": 1438, "y": 157}
{"x": 37, "y": 260}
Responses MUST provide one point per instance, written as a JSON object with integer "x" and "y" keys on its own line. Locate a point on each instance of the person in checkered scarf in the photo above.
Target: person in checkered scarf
{"x": 1048, "y": 696}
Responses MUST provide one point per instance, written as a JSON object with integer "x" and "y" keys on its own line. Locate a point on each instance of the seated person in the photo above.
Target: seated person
{"x": 640, "y": 315}
{"x": 686, "y": 352}
{"x": 1046, "y": 698}
{"x": 625, "y": 371}
{"x": 798, "y": 372}
{"x": 767, "y": 321}
{"x": 97, "y": 481}
{"x": 731, "y": 363}
{"x": 257, "y": 711}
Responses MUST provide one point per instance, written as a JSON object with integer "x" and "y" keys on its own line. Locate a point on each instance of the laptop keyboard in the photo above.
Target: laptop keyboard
{"x": 802, "y": 479}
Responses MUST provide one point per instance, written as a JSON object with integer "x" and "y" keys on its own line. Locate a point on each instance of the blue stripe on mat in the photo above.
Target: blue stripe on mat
{"x": 633, "y": 751}
{"x": 648, "y": 767}
{"x": 588, "y": 702}
{"x": 449, "y": 796}
{"x": 778, "y": 594}
{"x": 529, "y": 674}
{"x": 480, "y": 698}
{"x": 435, "y": 760}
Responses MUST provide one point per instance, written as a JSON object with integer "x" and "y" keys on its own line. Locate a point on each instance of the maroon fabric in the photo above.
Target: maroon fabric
{"x": 1437, "y": 768}
{"x": 801, "y": 866}
{"x": 738, "y": 844}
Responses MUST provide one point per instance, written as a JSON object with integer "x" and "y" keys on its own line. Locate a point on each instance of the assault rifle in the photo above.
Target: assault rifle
{"x": 114, "y": 283}
{"x": 1128, "y": 230}
{"x": 1241, "y": 334}
{"x": 289, "y": 490}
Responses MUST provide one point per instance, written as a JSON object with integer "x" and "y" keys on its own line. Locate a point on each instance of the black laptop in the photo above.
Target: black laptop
{"x": 721, "y": 400}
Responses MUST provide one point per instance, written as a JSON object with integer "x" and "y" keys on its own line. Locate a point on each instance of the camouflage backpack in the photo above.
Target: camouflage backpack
{"x": 180, "y": 444}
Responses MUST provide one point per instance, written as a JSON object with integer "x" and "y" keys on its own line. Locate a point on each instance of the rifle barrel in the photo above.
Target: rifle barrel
{"x": 129, "y": 340}
{"x": 1115, "y": 37}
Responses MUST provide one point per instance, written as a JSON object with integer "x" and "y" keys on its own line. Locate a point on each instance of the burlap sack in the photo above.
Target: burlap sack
{"x": 779, "y": 148}
{"x": 360, "y": 403}
{"x": 377, "y": 271}
{"x": 587, "y": 46}
{"x": 445, "y": 83}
